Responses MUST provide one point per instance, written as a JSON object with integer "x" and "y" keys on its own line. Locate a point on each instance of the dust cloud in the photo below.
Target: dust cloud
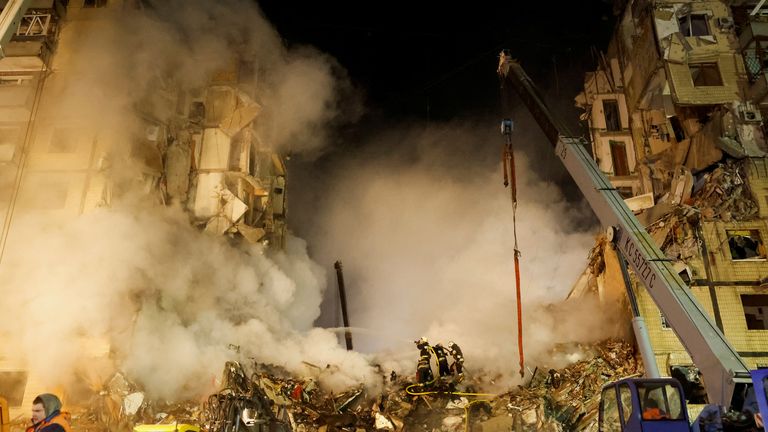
{"x": 425, "y": 233}
{"x": 424, "y": 226}
{"x": 170, "y": 302}
{"x": 134, "y": 287}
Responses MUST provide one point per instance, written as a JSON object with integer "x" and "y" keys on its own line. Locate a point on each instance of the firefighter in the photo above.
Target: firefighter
{"x": 458, "y": 359}
{"x": 423, "y": 367}
{"x": 442, "y": 360}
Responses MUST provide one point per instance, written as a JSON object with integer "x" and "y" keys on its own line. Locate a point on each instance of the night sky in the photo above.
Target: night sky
{"x": 429, "y": 61}
{"x": 424, "y": 64}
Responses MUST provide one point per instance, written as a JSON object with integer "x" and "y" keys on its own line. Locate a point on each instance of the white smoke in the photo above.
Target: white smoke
{"x": 169, "y": 300}
{"x": 135, "y": 287}
{"x": 425, "y": 229}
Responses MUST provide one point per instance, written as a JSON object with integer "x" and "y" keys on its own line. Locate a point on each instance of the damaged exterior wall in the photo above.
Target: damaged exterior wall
{"x": 199, "y": 148}
{"x": 606, "y": 111}
{"x": 699, "y": 149}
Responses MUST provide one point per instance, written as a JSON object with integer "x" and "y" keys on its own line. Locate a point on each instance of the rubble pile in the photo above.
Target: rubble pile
{"x": 567, "y": 399}
{"x": 271, "y": 399}
{"x": 723, "y": 193}
{"x": 121, "y": 404}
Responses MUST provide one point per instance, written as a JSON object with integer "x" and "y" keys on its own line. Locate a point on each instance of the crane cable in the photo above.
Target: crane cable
{"x": 510, "y": 180}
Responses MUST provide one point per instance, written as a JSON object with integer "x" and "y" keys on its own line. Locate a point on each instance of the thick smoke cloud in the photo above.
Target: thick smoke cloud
{"x": 135, "y": 287}
{"x": 419, "y": 217}
{"x": 169, "y": 300}
{"x": 425, "y": 229}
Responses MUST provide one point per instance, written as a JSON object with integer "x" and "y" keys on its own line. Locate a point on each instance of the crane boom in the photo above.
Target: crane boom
{"x": 720, "y": 365}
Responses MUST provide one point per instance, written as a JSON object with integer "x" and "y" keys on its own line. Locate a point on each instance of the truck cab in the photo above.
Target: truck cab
{"x": 643, "y": 405}
{"x": 760, "y": 386}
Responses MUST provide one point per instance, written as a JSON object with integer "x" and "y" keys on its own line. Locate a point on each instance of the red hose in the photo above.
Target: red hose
{"x": 519, "y": 316}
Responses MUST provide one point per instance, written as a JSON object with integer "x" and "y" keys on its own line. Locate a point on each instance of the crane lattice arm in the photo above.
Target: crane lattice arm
{"x": 718, "y": 361}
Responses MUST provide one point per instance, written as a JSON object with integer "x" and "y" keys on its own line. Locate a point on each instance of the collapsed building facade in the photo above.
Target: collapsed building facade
{"x": 197, "y": 147}
{"x": 675, "y": 112}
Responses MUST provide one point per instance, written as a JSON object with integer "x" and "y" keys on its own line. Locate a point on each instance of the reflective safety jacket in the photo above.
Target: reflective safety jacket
{"x": 56, "y": 422}
{"x": 652, "y": 414}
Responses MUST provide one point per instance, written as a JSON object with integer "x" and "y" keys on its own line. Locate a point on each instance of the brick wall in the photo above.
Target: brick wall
{"x": 684, "y": 92}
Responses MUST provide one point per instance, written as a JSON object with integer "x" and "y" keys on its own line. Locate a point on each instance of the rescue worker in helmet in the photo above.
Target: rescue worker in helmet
{"x": 442, "y": 360}
{"x": 457, "y": 367}
{"x": 47, "y": 415}
{"x": 423, "y": 368}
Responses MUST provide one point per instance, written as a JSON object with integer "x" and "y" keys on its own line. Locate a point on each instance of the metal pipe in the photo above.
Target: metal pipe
{"x": 638, "y": 325}
{"x": 343, "y": 297}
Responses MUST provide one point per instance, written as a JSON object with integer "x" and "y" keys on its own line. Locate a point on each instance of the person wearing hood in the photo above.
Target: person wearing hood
{"x": 47, "y": 415}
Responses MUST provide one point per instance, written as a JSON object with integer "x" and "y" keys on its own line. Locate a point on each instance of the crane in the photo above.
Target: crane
{"x": 726, "y": 375}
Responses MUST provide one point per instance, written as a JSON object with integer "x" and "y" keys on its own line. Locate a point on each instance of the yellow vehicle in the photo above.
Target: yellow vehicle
{"x": 5, "y": 417}
{"x": 173, "y": 427}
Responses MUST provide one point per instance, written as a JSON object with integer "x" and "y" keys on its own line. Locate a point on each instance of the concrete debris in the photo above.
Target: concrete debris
{"x": 267, "y": 398}
{"x": 723, "y": 192}
{"x": 121, "y": 405}
{"x": 566, "y": 399}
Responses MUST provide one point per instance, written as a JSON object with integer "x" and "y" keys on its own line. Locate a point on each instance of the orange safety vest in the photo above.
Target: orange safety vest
{"x": 652, "y": 414}
{"x": 61, "y": 419}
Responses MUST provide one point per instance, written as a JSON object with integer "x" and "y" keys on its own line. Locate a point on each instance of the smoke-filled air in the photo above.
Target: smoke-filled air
{"x": 134, "y": 286}
{"x": 423, "y": 227}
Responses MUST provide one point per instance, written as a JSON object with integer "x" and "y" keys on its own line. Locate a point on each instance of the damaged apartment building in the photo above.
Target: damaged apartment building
{"x": 675, "y": 112}
{"x": 200, "y": 147}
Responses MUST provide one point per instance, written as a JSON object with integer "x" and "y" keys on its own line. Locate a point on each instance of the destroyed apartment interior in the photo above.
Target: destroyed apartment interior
{"x": 156, "y": 276}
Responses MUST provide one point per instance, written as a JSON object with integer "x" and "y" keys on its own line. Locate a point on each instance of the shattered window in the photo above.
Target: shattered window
{"x": 94, "y": 3}
{"x": 659, "y": 401}
{"x": 609, "y": 411}
{"x": 705, "y": 74}
{"x": 694, "y": 25}
{"x": 611, "y": 112}
{"x": 619, "y": 158}
{"x": 755, "y": 311}
{"x": 745, "y": 245}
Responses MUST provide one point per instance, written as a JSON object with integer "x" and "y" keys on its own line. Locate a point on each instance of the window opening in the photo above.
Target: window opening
{"x": 705, "y": 74}
{"x": 612, "y": 116}
{"x": 625, "y": 394}
{"x": 755, "y": 311}
{"x": 660, "y": 401}
{"x": 619, "y": 158}
{"x": 609, "y": 410}
{"x": 745, "y": 245}
{"x": 694, "y": 25}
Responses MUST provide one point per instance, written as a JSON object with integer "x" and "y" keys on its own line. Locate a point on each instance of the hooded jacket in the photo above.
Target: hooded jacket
{"x": 55, "y": 420}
